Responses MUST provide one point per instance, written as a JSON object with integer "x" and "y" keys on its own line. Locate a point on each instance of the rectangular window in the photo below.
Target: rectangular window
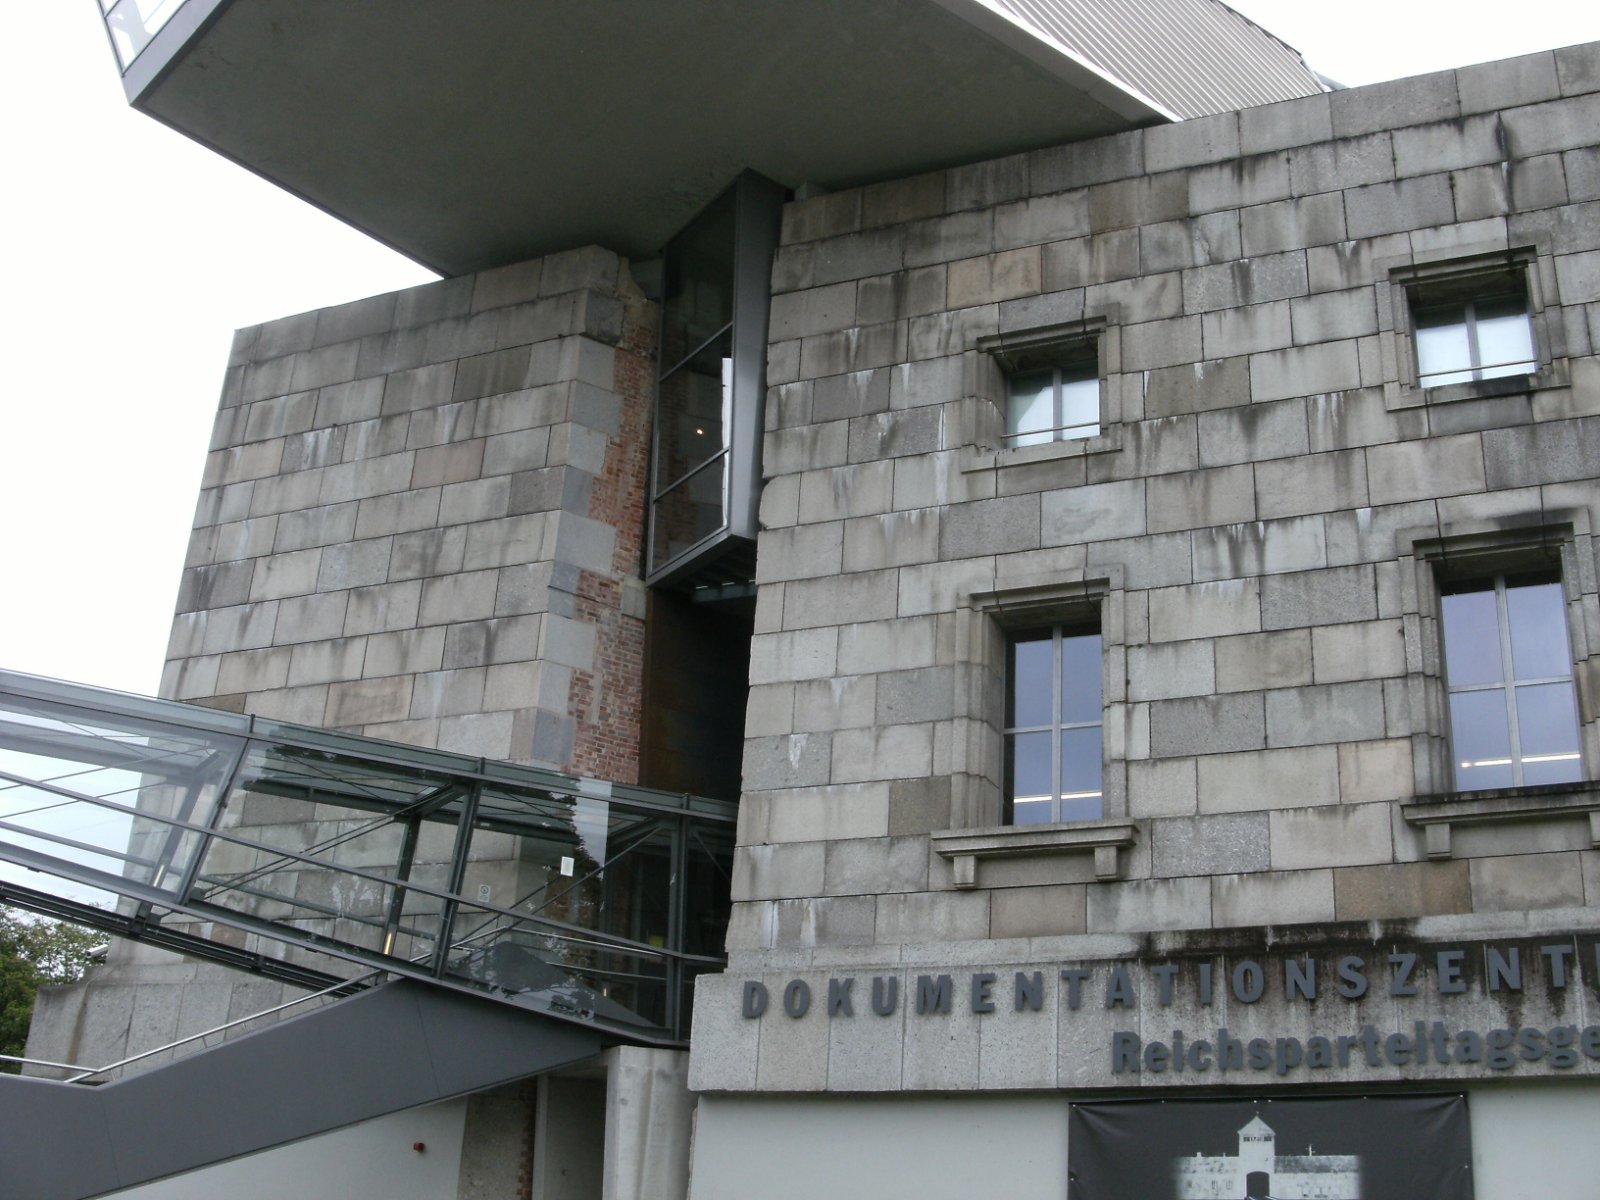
{"x": 1508, "y": 672}
{"x": 1053, "y": 726}
{"x": 1054, "y": 403}
{"x": 1471, "y": 329}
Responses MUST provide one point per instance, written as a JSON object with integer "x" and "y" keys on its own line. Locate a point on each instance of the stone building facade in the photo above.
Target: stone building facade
{"x": 1287, "y": 843}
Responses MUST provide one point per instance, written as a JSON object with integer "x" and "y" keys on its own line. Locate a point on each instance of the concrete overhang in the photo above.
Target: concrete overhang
{"x": 474, "y": 133}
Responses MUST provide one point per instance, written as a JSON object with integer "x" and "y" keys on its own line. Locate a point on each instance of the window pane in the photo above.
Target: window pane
{"x": 1080, "y": 678}
{"x": 1471, "y": 638}
{"x": 1080, "y": 774}
{"x": 1080, "y": 407}
{"x": 699, "y": 282}
{"x": 1481, "y": 739}
{"x": 1547, "y": 721}
{"x": 690, "y": 512}
{"x": 1029, "y": 408}
{"x": 1029, "y": 671}
{"x": 1505, "y": 337}
{"x": 693, "y": 412}
{"x": 1443, "y": 355}
{"x": 1031, "y": 793}
{"x": 1539, "y": 647}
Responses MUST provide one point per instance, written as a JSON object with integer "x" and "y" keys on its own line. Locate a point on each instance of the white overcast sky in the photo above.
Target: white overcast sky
{"x": 134, "y": 253}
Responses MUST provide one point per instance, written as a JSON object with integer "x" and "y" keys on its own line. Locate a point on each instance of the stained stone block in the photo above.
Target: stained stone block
{"x": 1338, "y": 835}
{"x": 777, "y": 872}
{"x": 932, "y": 917}
{"x": 368, "y": 701}
{"x": 1295, "y": 898}
{"x": 1167, "y": 669}
{"x": 1205, "y": 610}
{"x": 1209, "y": 845}
{"x": 893, "y": 752}
{"x": 1141, "y": 905}
{"x": 1339, "y": 712}
{"x": 1220, "y": 496}
{"x": 1526, "y": 881}
{"x": 1207, "y": 725}
{"x": 875, "y": 866}
{"x": 1271, "y": 779}
{"x": 1401, "y": 890}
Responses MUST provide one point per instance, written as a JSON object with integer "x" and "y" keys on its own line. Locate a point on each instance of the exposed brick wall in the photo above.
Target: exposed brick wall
{"x": 607, "y": 701}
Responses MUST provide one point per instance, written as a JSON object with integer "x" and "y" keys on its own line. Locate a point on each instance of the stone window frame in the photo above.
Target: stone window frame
{"x": 977, "y": 808}
{"x": 987, "y": 368}
{"x": 1401, "y": 276}
{"x": 1480, "y": 548}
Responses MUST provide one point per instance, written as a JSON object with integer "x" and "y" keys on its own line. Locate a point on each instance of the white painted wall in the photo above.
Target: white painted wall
{"x": 800, "y": 1149}
{"x": 370, "y": 1161}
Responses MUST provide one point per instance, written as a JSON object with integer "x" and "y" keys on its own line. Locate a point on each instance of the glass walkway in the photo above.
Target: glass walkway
{"x": 312, "y": 857}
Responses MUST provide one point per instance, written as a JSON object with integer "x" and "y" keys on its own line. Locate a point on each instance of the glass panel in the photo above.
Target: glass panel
{"x": 1443, "y": 353}
{"x": 1539, "y": 648}
{"x": 1505, "y": 337}
{"x": 1030, "y": 671}
{"x": 698, "y": 270}
{"x": 693, "y": 413}
{"x": 1028, "y": 775}
{"x": 1080, "y": 678}
{"x": 709, "y": 886}
{"x": 1080, "y": 407}
{"x": 691, "y": 512}
{"x": 1471, "y": 638}
{"x": 1080, "y": 773}
{"x": 1547, "y": 722}
{"x": 1481, "y": 739}
{"x": 105, "y": 786}
{"x": 1030, "y": 411}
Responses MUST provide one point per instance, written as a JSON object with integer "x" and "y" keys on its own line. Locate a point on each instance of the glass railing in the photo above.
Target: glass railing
{"x": 133, "y": 24}
{"x": 588, "y": 901}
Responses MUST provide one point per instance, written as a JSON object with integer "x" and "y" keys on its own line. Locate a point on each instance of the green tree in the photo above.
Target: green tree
{"x": 34, "y": 953}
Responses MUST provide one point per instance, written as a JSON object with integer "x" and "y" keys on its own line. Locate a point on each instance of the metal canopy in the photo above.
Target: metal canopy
{"x": 482, "y": 132}
{"x": 296, "y": 852}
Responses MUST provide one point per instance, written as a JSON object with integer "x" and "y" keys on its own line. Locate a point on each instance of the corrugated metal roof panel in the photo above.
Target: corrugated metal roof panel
{"x": 1193, "y": 57}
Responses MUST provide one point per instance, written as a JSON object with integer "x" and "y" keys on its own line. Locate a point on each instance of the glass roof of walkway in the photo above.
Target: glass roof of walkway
{"x": 293, "y": 851}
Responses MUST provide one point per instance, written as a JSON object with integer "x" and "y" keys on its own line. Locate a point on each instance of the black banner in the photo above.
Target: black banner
{"x": 1356, "y": 1148}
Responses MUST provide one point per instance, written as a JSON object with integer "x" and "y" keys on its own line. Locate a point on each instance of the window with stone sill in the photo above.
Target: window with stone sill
{"x": 1468, "y": 328}
{"x": 1053, "y": 747}
{"x": 1509, "y": 681}
{"x": 1051, "y": 391}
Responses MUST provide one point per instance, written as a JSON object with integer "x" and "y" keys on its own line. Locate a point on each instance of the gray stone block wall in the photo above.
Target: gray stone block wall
{"x": 1261, "y": 522}
{"x": 420, "y": 515}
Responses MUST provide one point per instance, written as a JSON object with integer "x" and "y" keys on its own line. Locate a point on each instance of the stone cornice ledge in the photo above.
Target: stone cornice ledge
{"x": 1436, "y": 814}
{"x": 965, "y": 847}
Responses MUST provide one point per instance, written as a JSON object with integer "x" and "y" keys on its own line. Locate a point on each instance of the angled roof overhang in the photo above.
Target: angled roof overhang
{"x": 481, "y": 132}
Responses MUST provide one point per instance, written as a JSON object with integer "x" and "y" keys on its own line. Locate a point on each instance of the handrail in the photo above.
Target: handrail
{"x": 90, "y": 1073}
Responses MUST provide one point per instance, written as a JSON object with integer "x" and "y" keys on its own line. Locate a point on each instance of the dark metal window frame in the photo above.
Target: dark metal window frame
{"x": 757, "y": 204}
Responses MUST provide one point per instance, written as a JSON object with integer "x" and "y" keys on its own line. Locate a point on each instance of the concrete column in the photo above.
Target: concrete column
{"x": 649, "y": 1117}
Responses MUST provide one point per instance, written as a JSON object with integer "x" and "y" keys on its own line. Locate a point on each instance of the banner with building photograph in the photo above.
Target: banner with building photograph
{"x": 1341, "y": 1148}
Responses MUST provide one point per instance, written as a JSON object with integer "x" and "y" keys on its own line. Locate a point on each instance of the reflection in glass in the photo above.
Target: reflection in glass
{"x": 693, "y": 412}
{"x": 1476, "y": 339}
{"x": 1058, "y": 403}
{"x": 698, "y": 279}
{"x": 691, "y": 511}
{"x": 1031, "y": 672}
{"x": 1508, "y": 664}
{"x": 1052, "y": 739}
{"x": 1472, "y": 640}
{"x": 1536, "y": 612}
{"x": 321, "y": 856}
